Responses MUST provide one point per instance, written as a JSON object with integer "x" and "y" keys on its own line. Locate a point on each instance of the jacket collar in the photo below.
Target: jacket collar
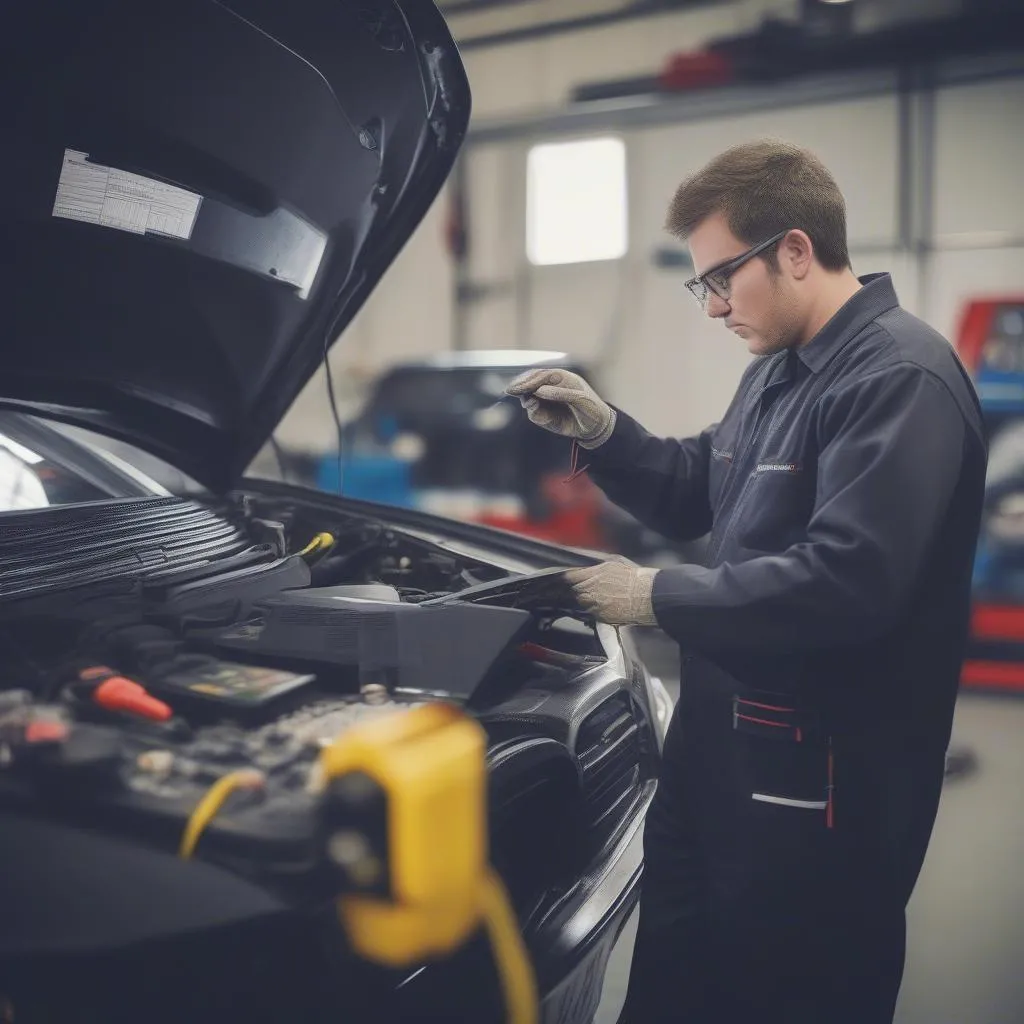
{"x": 876, "y": 297}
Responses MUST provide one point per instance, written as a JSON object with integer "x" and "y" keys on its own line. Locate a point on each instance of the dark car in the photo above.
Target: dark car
{"x": 199, "y": 197}
{"x": 440, "y": 434}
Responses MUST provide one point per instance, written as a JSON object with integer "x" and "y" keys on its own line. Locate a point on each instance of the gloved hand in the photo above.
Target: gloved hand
{"x": 617, "y": 591}
{"x": 565, "y": 404}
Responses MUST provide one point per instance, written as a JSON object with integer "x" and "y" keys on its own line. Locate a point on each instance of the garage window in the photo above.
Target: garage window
{"x": 576, "y": 201}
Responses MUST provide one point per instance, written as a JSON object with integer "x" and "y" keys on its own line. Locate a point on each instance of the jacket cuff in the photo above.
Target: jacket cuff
{"x": 606, "y": 431}
{"x": 621, "y": 445}
{"x": 644, "y": 596}
{"x": 665, "y": 604}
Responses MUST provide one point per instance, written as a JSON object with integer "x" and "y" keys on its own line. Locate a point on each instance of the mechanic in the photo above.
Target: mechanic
{"x": 821, "y": 640}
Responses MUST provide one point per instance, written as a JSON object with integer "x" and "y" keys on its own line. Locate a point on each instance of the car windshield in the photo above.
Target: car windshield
{"x": 45, "y": 465}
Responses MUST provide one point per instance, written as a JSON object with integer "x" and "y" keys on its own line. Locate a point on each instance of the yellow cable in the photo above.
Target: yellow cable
{"x": 511, "y": 957}
{"x": 206, "y": 810}
{"x": 321, "y": 542}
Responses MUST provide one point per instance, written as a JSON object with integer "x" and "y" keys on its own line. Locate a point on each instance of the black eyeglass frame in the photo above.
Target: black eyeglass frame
{"x": 700, "y": 286}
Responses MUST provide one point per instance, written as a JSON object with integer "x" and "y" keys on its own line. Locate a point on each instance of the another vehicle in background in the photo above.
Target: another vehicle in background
{"x": 442, "y": 436}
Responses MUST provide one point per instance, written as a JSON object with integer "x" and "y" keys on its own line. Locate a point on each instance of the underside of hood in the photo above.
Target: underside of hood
{"x": 198, "y": 196}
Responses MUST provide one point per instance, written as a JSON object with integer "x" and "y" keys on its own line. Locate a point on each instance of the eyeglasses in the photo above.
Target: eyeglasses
{"x": 717, "y": 279}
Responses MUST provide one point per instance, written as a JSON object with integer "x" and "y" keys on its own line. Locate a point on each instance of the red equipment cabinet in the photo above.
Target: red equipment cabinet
{"x": 990, "y": 342}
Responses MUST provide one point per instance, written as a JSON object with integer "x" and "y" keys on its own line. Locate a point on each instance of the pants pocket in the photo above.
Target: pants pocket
{"x": 785, "y": 758}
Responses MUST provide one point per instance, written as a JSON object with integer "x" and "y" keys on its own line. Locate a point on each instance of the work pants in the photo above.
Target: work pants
{"x": 766, "y": 912}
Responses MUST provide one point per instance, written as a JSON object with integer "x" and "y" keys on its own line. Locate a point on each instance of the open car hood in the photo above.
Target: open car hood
{"x": 198, "y": 196}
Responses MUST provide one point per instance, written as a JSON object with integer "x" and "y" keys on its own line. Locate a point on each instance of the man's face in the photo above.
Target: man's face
{"x": 762, "y": 307}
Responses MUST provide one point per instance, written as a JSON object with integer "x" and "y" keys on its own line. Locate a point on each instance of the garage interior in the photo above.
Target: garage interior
{"x": 919, "y": 122}
{"x": 547, "y": 245}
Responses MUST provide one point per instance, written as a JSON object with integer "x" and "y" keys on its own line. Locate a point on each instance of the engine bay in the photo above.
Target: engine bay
{"x": 152, "y": 647}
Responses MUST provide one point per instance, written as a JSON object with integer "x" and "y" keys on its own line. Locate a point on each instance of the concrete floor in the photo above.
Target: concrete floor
{"x": 965, "y": 958}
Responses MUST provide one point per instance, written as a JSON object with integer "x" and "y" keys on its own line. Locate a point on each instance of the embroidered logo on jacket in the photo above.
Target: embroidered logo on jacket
{"x": 777, "y": 467}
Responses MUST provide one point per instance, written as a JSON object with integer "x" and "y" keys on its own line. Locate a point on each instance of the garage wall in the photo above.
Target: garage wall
{"x": 978, "y": 214}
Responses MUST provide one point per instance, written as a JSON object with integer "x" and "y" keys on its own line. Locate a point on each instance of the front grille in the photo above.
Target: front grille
{"x": 536, "y": 822}
{"x": 611, "y": 754}
{"x": 48, "y": 550}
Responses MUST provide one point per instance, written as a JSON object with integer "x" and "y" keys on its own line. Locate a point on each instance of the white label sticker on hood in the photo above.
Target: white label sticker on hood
{"x": 119, "y": 199}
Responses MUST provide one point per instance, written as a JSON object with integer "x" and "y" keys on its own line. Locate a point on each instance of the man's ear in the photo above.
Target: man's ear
{"x": 796, "y": 252}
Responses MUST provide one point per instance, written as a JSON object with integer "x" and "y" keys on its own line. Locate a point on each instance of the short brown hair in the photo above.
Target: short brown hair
{"x": 762, "y": 188}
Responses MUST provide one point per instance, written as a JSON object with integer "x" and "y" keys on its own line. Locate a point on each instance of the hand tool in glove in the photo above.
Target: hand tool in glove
{"x": 565, "y": 404}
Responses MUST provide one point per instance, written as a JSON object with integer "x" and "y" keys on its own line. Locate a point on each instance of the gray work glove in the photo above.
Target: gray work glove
{"x": 565, "y": 404}
{"x": 617, "y": 592}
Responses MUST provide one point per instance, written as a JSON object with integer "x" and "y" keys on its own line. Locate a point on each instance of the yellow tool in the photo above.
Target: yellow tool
{"x": 406, "y": 816}
{"x": 404, "y": 803}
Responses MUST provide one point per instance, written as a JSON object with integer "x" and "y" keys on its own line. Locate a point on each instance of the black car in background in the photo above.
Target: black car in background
{"x": 441, "y": 434}
{"x": 201, "y": 195}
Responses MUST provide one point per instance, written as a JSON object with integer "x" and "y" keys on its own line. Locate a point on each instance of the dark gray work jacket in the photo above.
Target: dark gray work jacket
{"x": 841, "y": 492}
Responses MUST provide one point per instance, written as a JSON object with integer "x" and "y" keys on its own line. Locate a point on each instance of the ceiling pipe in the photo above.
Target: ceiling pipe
{"x": 474, "y": 6}
{"x": 777, "y": 52}
{"x": 545, "y": 29}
